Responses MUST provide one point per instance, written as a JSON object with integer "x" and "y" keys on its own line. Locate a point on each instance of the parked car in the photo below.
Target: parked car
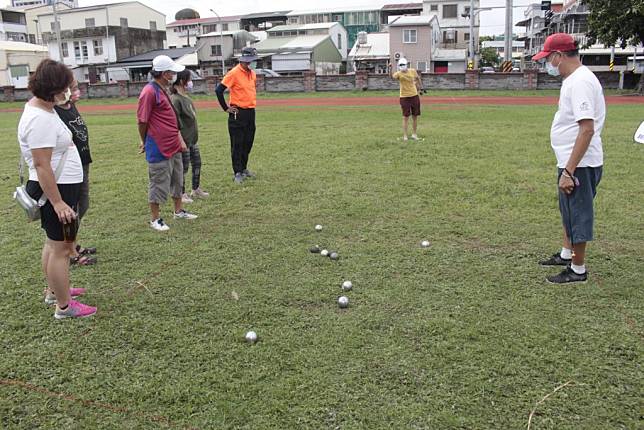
{"x": 487, "y": 70}
{"x": 267, "y": 72}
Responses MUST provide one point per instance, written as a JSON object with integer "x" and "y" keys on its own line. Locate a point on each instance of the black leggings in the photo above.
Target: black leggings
{"x": 241, "y": 128}
{"x": 192, "y": 157}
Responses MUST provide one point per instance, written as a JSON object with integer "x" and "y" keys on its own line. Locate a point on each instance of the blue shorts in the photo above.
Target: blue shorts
{"x": 576, "y": 209}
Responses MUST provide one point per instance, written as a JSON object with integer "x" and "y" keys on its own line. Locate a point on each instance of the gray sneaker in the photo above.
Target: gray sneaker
{"x": 248, "y": 174}
{"x": 239, "y": 178}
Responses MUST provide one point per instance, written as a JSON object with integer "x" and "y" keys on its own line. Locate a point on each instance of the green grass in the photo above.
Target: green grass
{"x": 465, "y": 335}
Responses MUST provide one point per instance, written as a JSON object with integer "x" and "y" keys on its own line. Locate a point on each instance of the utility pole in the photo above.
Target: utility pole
{"x": 57, "y": 30}
{"x": 471, "y": 53}
{"x": 221, "y": 37}
{"x": 508, "y": 30}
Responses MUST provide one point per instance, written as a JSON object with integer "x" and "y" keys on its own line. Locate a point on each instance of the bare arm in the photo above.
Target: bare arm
{"x": 585, "y": 135}
{"x": 419, "y": 82}
{"x": 143, "y": 131}
{"x": 47, "y": 181}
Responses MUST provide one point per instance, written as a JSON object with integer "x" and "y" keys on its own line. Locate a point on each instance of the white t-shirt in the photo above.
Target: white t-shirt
{"x": 41, "y": 129}
{"x": 581, "y": 97}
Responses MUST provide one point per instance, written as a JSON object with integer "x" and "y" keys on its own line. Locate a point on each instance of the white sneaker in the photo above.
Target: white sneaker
{"x": 199, "y": 194}
{"x": 183, "y": 214}
{"x": 159, "y": 225}
{"x": 405, "y": 139}
{"x": 185, "y": 198}
{"x": 414, "y": 137}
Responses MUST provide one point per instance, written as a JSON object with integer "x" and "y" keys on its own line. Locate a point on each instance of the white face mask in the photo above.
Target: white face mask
{"x": 552, "y": 69}
{"x": 173, "y": 78}
{"x": 68, "y": 96}
{"x": 190, "y": 86}
{"x": 402, "y": 67}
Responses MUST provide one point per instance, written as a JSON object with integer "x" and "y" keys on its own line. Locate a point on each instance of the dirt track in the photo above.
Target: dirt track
{"x": 373, "y": 101}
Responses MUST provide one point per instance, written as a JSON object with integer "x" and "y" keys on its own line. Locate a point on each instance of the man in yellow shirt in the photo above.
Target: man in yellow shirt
{"x": 410, "y": 82}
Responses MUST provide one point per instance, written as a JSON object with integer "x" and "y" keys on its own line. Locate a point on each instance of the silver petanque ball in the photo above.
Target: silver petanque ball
{"x": 324, "y": 253}
{"x": 334, "y": 256}
{"x": 343, "y": 302}
{"x": 318, "y": 227}
{"x": 425, "y": 244}
{"x": 251, "y": 337}
{"x": 347, "y": 285}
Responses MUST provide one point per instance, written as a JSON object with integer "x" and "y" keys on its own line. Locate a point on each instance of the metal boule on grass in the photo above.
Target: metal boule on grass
{"x": 334, "y": 256}
{"x": 343, "y": 302}
{"x": 347, "y": 285}
{"x": 251, "y": 337}
{"x": 315, "y": 249}
{"x": 425, "y": 244}
{"x": 324, "y": 253}
{"x": 318, "y": 227}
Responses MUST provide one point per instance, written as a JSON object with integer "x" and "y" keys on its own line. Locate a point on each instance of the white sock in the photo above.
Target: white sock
{"x": 566, "y": 253}
{"x": 580, "y": 270}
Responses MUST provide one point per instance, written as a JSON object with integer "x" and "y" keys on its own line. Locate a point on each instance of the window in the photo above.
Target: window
{"x": 433, "y": 8}
{"x": 466, "y": 37}
{"x": 339, "y": 41}
{"x": 409, "y": 36}
{"x": 449, "y": 36}
{"x": 292, "y": 20}
{"x": 124, "y": 22}
{"x": 450, "y": 11}
{"x": 90, "y": 22}
{"x": 421, "y": 66}
{"x": 21, "y": 71}
{"x": 337, "y": 18}
{"x": 224, "y": 27}
{"x": 65, "y": 48}
{"x": 153, "y": 25}
{"x": 80, "y": 50}
{"x": 209, "y": 28}
{"x": 215, "y": 50}
{"x": 98, "y": 47}
{"x": 53, "y": 26}
{"x": 467, "y": 10}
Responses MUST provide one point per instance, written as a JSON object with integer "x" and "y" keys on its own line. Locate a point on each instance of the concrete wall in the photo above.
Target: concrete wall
{"x": 413, "y": 52}
{"x": 360, "y": 81}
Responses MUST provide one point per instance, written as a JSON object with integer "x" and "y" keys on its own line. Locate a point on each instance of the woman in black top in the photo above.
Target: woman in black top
{"x": 73, "y": 120}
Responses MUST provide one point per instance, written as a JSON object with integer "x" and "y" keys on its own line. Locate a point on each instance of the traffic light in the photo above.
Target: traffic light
{"x": 546, "y": 4}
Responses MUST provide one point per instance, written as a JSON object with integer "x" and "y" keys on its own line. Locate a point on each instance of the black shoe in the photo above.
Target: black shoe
{"x": 556, "y": 260}
{"x": 567, "y": 276}
{"x": 238, "y": 178}
{"x": 248, "y": 174}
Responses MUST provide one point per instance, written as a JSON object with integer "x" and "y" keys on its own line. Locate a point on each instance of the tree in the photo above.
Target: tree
{"x": 614, "y": 22}
{"x": 489, "y": 58}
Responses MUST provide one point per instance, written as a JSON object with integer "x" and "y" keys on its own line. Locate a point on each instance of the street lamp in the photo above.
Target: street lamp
{"x": 221, "y": 36}
{"x": 472, "y": 14}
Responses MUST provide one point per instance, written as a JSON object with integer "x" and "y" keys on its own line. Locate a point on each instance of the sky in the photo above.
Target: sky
{"x": 492, "y": 22}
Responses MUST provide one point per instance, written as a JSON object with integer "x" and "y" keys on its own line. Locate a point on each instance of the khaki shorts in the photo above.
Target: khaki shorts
{"x": 166, "y": 177}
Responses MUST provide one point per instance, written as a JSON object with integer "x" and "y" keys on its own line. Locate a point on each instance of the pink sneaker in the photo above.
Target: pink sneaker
{"x": 50, "y": 298}
{"x": 75, "y": 310}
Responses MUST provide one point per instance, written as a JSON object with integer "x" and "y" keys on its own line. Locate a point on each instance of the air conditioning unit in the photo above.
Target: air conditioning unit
{"x": 398, "y": 56}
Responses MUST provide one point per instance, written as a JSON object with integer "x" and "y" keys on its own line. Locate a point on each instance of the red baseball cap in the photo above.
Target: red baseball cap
{"x": 558, "y": 42}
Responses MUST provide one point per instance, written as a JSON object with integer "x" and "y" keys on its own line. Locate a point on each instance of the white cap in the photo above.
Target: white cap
{"x": 402, "y": 62}
{"x": 163, "y": 63}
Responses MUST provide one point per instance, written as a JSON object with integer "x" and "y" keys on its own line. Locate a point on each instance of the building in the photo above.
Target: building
{"x": 17, "y": 61}
{"x": 136, "y": 68}
{"x": 391, "y": 11}
{"x": 453, "y": 16}
{"x": 31, "y": 17}
{"x": 34, "y": 3}
{"x": 183, "y": 33}
{"x": 499, "y": 46}
{"x": 92, "y": 38}
{"x": 262, "y": 21}
{"x": 13, "y": 26}
{"x": 210, "y": 49}
{"x": 370, "y": 53}
{"x": 294, "y": 55}
{"x": 353, "y": 19}
{"x": 335, "y": 30}
{"x": 415, "y": 38}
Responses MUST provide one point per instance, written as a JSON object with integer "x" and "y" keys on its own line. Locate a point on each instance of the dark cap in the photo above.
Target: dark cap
{"x": 248, "y": 55}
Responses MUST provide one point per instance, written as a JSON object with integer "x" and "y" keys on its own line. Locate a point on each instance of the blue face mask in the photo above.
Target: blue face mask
{"x": 552, "y": 69}
{"x": 252, "y": 65}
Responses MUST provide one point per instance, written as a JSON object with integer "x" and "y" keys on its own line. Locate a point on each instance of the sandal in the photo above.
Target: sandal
{"x": 85, "y": 251}
{"x": 82, "y": 260}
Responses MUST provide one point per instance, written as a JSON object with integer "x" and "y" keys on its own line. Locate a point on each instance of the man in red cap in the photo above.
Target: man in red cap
{"x": 575, "y": 137}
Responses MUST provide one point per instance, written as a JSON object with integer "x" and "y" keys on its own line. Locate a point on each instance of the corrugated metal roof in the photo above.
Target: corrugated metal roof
{"x": 290, "y": 43}
{"x": 377, "y": 46}
{"x": 403, "y": 6}
{"x": 208, "y": 20}
{"x": 412, "y": 20}
{"x": 291, "y": 27}
{"x": 149, "y": 56}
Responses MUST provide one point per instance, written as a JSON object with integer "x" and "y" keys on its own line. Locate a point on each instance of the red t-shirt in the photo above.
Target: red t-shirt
{"x": 156, "y": 110}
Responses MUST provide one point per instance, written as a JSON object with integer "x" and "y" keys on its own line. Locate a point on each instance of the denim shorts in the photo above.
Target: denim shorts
{"x": 576, "y": 209}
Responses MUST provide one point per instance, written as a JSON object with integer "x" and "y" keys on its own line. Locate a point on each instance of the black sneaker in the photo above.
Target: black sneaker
{"x": 567, "y": 276}
{"x": 556, "y": 260}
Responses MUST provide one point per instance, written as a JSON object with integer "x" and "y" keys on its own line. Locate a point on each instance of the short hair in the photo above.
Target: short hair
{"x": 573, "y": 53}
{"x": 155, "y": 74}
{"x": 50, "y": 78}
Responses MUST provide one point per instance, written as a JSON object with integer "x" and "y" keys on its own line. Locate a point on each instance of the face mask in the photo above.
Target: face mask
{"x": 173, "y": 78}
{"x": 402, "y": 67}
{"x": 68, "y": 95}
{"x": 252, "y": 65}
{"x": 552, "y": 69}
{"x": 76, "y": 95}
{"x": 190, "y": 86}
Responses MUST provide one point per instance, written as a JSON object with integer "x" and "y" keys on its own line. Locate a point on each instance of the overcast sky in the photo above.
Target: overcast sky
{"x": 492, "y": 22}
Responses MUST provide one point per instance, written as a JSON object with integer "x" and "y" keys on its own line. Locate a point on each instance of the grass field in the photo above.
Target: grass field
{"x": 464, "y": 335}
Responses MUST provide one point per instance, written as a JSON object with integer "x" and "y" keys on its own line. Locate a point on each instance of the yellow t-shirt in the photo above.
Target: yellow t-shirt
{"x": 407, "y": 82}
